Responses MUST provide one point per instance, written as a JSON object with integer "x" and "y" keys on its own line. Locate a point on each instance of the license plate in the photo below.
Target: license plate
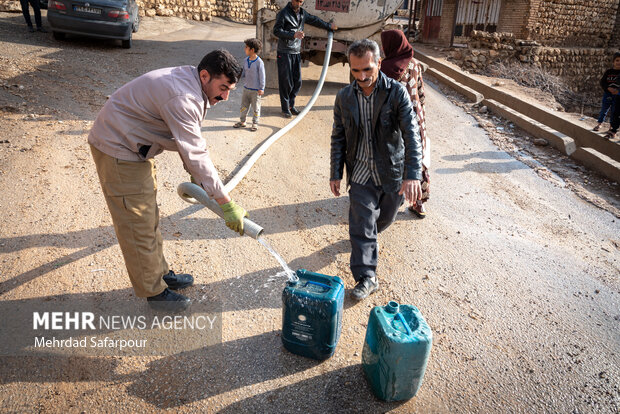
{"x": 90, "y": 10}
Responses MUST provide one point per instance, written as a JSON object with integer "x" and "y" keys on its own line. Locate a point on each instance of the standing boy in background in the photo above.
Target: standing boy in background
{"x": 254, "y": 88}
{"x": 610, "y": 78}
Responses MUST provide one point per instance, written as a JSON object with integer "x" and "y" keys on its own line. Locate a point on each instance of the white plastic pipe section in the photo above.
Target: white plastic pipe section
{"x": 186, "y": 190}
{"x": 196, "y": 195}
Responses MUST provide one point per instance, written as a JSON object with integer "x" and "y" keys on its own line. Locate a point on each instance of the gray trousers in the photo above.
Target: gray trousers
{"x": 250, "y": 100}
{"x": 371, "y": 211}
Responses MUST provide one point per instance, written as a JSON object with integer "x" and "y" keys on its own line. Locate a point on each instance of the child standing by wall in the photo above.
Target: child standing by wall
{"x": 254, "y": 88}
{"x": 610, "y": 83}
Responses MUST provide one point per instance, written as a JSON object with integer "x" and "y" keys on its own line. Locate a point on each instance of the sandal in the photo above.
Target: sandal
{"x": 596, "y": 128}
{"x": 239, "y": 125}
{"x": 254, "y": 127}
{"x": 418, "y": 210}
{"x": 610, "y": 134}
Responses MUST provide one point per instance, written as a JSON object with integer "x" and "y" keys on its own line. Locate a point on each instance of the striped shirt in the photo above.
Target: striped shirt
{"x": 365, "y": 166}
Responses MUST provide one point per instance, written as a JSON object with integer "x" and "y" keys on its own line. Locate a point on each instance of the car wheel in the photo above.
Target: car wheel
{"x": 136, "y": 24}
{"x": 127, "y": 43}
{"x": 58, "y": 35}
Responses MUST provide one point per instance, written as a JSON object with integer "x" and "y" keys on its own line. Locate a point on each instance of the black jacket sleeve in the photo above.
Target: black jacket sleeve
{"x": 316, "y": 21}
{"x": 338, "y": 142}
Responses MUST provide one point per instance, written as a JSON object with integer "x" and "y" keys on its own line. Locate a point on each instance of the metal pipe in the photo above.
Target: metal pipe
{"x": 186, "y": 190}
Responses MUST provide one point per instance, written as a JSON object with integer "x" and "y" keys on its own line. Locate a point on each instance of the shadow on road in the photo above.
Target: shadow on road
{"x": 505, "y": 163}
{"x": 284, "y": 218}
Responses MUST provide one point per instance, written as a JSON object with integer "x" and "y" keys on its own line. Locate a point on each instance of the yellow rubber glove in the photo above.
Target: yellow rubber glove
{"x": 234, "y": 214}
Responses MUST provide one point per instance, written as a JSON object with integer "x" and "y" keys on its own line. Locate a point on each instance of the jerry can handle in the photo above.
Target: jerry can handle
{"x": 404, "y": 322}
{"x": 310, "y": 282}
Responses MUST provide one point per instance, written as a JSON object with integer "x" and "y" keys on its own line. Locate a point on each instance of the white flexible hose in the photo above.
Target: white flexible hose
{"x": 232, "y": 183}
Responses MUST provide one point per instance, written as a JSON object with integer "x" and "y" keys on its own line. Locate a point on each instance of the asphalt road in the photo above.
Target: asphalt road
{"x": 518, "y": 278}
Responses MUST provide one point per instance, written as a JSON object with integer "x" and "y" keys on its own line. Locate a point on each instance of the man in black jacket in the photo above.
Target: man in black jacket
{"x": 289, "y": 29}
{"x": 376, "y": 136}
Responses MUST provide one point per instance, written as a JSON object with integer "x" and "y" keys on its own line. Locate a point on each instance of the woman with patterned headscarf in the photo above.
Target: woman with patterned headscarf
{"x": 399, "y": 64}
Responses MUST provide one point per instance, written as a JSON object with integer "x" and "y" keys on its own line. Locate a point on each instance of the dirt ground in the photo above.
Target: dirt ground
{"x": 516, "y": 268}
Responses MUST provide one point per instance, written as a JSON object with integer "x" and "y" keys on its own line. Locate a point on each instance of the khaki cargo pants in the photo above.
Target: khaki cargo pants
{"x": 130, "y": 190}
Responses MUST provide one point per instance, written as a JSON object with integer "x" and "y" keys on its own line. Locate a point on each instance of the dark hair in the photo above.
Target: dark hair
{"x": 360, "y": 47}
{"x": 616, "y": 56}
{"x": 254, "y": 43}
{"x": 221, "y": 62}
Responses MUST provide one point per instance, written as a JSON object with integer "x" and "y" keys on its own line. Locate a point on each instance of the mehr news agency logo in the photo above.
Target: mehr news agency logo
{"x": 87, "y": 321}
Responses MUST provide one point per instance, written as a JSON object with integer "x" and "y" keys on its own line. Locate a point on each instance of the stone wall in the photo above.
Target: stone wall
{"x": 579, "y": 67}
{"x": 188, "y": 9}
{"x": 587, "y": 23}
{"x": 237, "y": 10}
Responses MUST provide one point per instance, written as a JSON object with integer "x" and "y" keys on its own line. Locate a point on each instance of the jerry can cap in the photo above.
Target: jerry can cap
{"x": 392, "y": 307}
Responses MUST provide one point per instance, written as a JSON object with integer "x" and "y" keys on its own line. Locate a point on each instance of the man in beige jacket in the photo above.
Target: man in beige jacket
{"x": 160, "y": 110}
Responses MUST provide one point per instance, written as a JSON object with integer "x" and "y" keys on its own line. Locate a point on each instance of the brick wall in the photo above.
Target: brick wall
{"x": 513, "y": 17}
{"x": 447, "y": 21}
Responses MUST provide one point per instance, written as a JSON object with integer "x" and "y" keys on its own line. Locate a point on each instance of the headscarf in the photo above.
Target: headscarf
{"x": 398, "y": 53}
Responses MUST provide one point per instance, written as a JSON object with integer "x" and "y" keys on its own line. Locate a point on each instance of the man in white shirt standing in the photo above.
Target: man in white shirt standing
{"x": 160, "y": 110}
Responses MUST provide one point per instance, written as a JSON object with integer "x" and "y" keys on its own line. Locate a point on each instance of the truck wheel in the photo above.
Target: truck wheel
{"x": 58, "y": 35}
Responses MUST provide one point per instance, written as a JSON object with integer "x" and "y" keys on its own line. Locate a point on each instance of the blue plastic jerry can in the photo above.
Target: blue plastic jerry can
{"x": 312, "y": 314}
{"x": 396, "y": 350}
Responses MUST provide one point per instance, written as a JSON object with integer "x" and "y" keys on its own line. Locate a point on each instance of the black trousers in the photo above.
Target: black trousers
{"x": 37, "y": 11}
{"x": 615, "y": 117}
{"x": 289, "y": 78}
{"x": 371, "y": 211}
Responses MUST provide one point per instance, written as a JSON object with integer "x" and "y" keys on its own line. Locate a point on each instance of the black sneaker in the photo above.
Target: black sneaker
{"x": 169, "y": 301}
{"x": 31, "y": 29}
{"x": 41, "y": 29}
{"x": 179, "y": 281}
{"x": 295, "y": 111}
{"x": 287, "y": 114}
{"x": 365, "y": 287}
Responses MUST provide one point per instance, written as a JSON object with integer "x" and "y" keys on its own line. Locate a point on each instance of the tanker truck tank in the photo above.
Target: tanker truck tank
{"x": 355, "y": 19}
{"x": 349, "y": 14}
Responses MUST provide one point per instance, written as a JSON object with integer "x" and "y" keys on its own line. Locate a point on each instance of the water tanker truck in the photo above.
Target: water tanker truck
{"x": 355, "y": 19}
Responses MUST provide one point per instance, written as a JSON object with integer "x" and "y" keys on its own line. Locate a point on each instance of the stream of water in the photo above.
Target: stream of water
{"x": 291, "y": 275}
